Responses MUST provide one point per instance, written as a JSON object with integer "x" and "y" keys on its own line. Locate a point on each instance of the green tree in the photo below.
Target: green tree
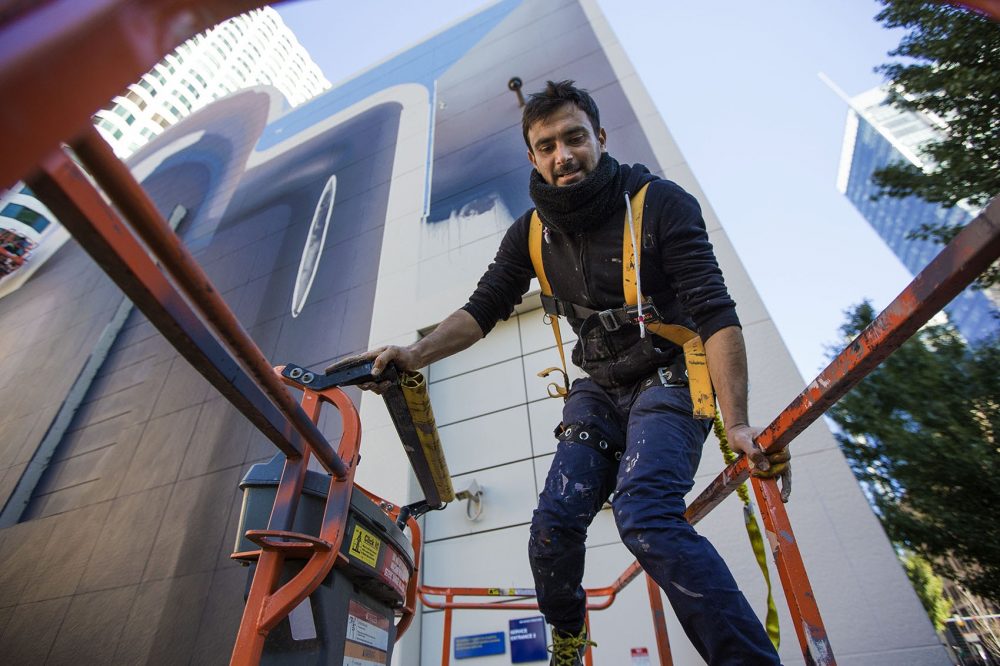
{"x": 921, "y": 433}
{"x": 950, "y": 68}
{"x": 929, "y": 588}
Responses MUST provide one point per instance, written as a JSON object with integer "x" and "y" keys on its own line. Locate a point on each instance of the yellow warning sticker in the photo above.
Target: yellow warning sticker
{"x": 365, "y": 546}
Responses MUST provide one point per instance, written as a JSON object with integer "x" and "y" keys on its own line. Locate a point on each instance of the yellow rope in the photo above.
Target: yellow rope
{"x": 753, "y": 532}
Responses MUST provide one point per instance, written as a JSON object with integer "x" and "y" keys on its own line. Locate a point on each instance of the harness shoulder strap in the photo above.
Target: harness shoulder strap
{"x": 699, "y": 380}
{"x": 535, "y": 233}
{"x": 630, "y": 265}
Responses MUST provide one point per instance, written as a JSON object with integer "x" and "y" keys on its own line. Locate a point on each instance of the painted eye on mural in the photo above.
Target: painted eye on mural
{"x": 313, "y": 250}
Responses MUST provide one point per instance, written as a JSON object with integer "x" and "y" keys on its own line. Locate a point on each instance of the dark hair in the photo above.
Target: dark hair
{"x": 543, "y": 104}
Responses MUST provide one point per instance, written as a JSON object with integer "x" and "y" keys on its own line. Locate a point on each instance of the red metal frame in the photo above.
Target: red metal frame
{"x": 268, "y": 603}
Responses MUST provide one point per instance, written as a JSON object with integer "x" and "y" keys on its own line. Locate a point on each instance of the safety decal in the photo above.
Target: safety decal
{"x": 367, "y": 636}
{"x": 365, "y": 546}
{"x": 356, "y": 654}
{"x": 394, "y": 572}
{"x": 510, "y": 592}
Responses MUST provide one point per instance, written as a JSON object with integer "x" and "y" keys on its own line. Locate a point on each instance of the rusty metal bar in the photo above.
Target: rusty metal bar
{"x": 69, "y": 194}
{"x": 659, "y": 622}
{"x": 806, "y": 619}
{"x": 446, "y": 641}
{"x": 990, "y": 8}
{"x": 970, "y": 253}
{"x": 61, "y": 60}
{"x": 140, "y": 212}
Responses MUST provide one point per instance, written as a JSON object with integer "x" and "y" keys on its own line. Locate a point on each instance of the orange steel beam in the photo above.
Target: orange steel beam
{"x": 990, "y": 8}
{"x": 68, "y": 192}
{"x": 446, "y": 634}
{"x": 659, "y": 622}
{"x": 806, "y": 619}
{"x": 61, "y": 60}
{"x": 140, "y": 212}
{"x": 268, "y": 603}
{"x": 970, "y": 253}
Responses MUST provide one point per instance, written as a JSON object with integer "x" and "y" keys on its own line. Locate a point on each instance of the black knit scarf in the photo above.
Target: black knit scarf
{"x": 580, "y": 206}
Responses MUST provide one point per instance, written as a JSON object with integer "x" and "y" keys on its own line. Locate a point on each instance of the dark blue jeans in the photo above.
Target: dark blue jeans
{"x": 662, "y": 446}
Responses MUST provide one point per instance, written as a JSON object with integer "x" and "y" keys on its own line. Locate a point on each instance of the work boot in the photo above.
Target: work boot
{"x": 568, "y": 649}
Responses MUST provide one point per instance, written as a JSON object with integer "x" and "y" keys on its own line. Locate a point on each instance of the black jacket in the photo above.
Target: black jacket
{"x": 678, "y": 271}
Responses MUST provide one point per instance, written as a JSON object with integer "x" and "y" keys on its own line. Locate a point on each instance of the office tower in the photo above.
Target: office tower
{"x": 876, "y": 135}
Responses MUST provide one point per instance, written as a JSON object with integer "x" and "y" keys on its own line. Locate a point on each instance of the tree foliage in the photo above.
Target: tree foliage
{"x": 929, "y": 588}
{"x": 951, "y": 69}
{"x": 921, "y": 432}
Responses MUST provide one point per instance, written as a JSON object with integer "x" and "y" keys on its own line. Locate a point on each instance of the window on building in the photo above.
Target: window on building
{"x": 136, "y": 99}
{"x": 25, "y": 215}
{"x": 148, "y": 87}
{"x": 161, "y": 121}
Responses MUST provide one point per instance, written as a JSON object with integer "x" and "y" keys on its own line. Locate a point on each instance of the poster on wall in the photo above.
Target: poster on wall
{"x": 479, "y": 645}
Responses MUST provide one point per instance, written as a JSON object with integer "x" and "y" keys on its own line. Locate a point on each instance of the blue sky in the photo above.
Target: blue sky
{"x": 737, "y": 84}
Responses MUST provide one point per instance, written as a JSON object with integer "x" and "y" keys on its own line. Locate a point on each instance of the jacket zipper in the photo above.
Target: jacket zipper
{"x": 583, "y": 270}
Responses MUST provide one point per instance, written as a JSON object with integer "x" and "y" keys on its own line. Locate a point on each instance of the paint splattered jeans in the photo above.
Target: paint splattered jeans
{"x": 662, "y": 447}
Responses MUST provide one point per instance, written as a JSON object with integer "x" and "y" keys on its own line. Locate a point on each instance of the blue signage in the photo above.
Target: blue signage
{"x": 527, "y": 640}
{"x": 480, "y": 645}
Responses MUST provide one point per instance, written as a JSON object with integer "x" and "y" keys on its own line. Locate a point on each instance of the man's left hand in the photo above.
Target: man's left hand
{"x": 741, "y": 440}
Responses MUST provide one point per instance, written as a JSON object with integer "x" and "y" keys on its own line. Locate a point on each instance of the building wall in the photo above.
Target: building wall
{"x": 430, "y": 170}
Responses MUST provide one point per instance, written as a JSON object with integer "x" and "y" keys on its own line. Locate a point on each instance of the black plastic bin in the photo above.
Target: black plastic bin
{"x": 350, "y": 618}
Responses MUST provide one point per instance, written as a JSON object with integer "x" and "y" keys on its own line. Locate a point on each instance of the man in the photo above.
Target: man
{"x": 628, "y": 427}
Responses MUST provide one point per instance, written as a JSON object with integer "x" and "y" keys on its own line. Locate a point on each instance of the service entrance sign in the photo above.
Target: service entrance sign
{"x": 527, "y": 640}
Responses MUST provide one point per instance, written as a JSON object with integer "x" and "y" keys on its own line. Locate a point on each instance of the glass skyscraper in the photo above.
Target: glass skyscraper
{"x": 876, "y": 136}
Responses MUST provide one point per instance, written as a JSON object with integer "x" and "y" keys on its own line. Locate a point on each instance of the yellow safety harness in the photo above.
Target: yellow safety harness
{"x": 699, "y": 380}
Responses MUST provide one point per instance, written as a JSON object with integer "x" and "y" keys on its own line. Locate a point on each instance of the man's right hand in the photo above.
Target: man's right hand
{"x": 403, "y": 357}
{"x": 458, "y": 331}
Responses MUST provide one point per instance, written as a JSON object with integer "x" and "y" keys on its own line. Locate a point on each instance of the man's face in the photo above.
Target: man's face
{"x": 564, "y": 147}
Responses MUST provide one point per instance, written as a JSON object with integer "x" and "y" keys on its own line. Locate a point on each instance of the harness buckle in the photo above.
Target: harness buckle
{"x": 671, "y": 376}
{"x": 649, "y": 313}
{"x": 608, "y": 320}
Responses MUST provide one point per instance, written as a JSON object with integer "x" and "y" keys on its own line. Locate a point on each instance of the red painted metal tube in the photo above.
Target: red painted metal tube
{"x": 66, "y": 190}
{"x": 806, "y": 619}
{"x": 140, "y": 212}
{"x": 268, "y": 602}
{"x": 970, "y": 253}
{"x": 990, "y": 8}
{"x": 446, "y": 638}
{"x": 659, "y": 622}
{"x": 62, "y": 60}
